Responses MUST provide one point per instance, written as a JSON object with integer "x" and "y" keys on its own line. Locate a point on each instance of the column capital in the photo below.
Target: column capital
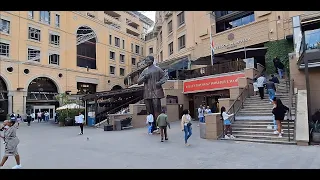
{"x": 10, "y": 93}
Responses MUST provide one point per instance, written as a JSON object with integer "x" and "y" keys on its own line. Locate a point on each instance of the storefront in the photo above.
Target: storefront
{"x": 209, "y": 89}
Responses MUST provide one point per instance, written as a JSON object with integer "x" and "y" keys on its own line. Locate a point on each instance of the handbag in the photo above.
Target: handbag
{"x": 189, "y": 124}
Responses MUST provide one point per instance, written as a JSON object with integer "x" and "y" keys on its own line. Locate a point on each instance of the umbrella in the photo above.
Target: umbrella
{"x": 70, "y": 106}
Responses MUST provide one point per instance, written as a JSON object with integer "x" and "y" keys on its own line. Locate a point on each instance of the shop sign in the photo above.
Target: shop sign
{"x": 232, "y": 44}
{"x": 212, "y": 83}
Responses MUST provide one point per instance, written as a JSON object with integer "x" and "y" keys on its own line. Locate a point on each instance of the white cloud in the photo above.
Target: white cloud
{"x": 149, "y": 14}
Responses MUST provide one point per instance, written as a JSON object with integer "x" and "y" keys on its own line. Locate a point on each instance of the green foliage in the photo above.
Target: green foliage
{"x": 281, "y": 49}
{"x": 68, "y": 113}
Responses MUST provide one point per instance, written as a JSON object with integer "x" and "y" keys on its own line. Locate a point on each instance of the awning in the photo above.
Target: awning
{"x": 173, "y": 64}
{"x": 246, "y": 53}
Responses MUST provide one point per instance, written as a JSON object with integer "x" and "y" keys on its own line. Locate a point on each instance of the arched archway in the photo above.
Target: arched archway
{"x": 3, "y": 99}
{"x": 41, "y": 96}
{"x": 116, "y": 87}
{"x": 86, "y": 47}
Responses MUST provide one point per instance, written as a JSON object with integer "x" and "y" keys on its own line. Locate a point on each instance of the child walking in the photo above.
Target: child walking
{"x": 149, "y": 122}
{"x": 227, "y": 123}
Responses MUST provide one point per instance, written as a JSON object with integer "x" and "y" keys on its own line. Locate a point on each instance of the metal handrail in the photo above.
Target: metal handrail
{"x": 241, "y": 97}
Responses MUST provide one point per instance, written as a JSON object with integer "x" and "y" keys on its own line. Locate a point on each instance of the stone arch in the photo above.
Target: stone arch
{"x": 7, "y": 82}
{"x": 116, "y": 87}
{"x": 87, "y": 26}
{"x": 59, "y": 88}
{"x": 87, "y": 50}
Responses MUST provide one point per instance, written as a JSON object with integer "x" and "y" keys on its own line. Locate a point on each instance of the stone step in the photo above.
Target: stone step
{"x": 234, "y": 126}
{"x": 271, "y": 137}
{"x": 262, "y": 133}
{"x": 254, "y": 129}
{"x": 267, "y": 122}
{"x": 240, "y": 117}
{"x": 265, "y": 111}
{"x": 262, "y": 108}
{"x": 273, "y": 141}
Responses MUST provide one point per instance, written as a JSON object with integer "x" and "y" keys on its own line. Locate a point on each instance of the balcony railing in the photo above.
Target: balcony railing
{"x": 309, "y": 40}
{"x": 226, "y": 67}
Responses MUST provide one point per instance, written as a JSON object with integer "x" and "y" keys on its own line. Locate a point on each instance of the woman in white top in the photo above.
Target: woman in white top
{"x": 227, "y": 123}
{"x": 186, "y": 125}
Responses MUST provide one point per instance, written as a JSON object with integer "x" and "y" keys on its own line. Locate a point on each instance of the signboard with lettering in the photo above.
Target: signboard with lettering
{"x": 232, "y": 44}
{"x": 212, "y": 83}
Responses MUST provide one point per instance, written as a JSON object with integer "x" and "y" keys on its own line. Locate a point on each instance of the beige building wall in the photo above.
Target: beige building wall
{"x": 70, "y": 21}
{"x": 300, "y": 81}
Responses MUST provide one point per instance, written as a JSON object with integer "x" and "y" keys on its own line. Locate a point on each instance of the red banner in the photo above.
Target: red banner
{"x": 210, "y": 84}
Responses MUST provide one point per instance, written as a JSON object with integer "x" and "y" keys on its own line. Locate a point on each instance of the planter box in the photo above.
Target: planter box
{"x": 316, "y": 137}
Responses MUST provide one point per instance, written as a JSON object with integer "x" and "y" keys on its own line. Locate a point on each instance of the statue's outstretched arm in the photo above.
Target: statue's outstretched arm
{"x": 163, "y": 77}
{"x": 141, "y": 78}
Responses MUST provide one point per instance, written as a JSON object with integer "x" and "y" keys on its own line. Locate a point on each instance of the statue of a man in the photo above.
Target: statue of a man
{"x": 153, "y": 77}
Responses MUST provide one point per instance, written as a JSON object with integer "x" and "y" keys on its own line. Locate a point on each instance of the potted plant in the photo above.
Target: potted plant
{"x": 314, "y": 126}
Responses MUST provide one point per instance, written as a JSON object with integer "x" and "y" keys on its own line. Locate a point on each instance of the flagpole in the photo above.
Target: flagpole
{"x": 211, "y": 47}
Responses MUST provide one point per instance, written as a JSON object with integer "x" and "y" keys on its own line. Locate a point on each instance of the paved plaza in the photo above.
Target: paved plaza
{"x": 49, "y": 146}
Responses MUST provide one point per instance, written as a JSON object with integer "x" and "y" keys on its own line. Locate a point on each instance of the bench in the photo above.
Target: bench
{"x": 126, "y": 123}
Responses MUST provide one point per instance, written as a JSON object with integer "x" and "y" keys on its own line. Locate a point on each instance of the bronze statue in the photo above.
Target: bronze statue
{"x": 153, "y": 77}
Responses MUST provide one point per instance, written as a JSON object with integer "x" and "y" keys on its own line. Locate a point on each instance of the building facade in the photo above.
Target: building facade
{"x": 44, "y": 53}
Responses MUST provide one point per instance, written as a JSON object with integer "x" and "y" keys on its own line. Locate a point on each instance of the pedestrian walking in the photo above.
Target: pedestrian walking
{"x": 29, "y": 119}
{"x": 149, "y": 122}
{"x": 226, "y": 123}
{"x": 19, "y": 119}
{"x": 163, "y": 123}
{"x": 186, "y": 126}
{"x": 260, "y": 83}
{"x": 279, "y": 112}
{"x": 39, "y": 115}
{"x": 271, "y": 88}
{"x": 201, "y": 114}
{"x": 81, "y": 122}
{"x": 11, "y": 144}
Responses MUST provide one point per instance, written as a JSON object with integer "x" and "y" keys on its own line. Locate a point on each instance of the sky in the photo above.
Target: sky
{"x": 149, "y": 14}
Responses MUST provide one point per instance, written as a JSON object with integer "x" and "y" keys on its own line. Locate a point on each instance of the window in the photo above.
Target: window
{"x": 150, "y": 50}
{"x": 112, "y": 55}
{"x": 123, "y": 44}
{"x": 110, "y": 39}
{"x": 171, "y": 48}
{"x": 4, "y": 49}
{"x": 30, "y": 14}
{"x": 112, "y": 70}
{"x": 116, "y": 41}
{"x": 45, "y": 16}
{"x": 4, "y": 26}
{"x": 133, "y": 61}
{"x": 33, "y": 54}
{"x": 34, "y": 34}
{"x": 131, "y": 47}
{"x": 121, "y": 58}
{"x": 137, "y": 49}
{"x": 169, "y": 27}
{"x": 57, "y": 20}
{"x": 141, "y": 50}
{"x": 160, "y": 36}
{"x": 54, "y": 39}
{"x": 54, "y": 59}
{"x": 122, "y": 72}
{"x": 181, "y": 18}
{"x": 182, "y": 42}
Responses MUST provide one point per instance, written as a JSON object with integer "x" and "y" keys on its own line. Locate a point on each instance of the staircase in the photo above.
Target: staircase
{"x": 254, "y": 122}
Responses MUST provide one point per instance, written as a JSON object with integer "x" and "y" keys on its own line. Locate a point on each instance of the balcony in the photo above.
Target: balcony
{"x": 310, "y": 49}
{"x": 167, "y": 14}
{"x": 113, "y": 14}
{"x": 132, "y": 24}
{"x": 132, "y": 32}
{"x": 112, "y": 22}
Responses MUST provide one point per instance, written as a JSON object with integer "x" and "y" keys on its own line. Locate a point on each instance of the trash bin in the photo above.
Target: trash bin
{"x": 91, "y": 121}
{"x": 117, "y": 125}
{"x": 202, "y": 127}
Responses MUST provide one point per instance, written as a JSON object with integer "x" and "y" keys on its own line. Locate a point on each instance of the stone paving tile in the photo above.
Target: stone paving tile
{"x": 49, "y": 146}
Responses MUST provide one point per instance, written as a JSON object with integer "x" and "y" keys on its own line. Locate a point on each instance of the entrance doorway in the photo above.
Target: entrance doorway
{"x": 50, "y": 109}
{"x": 3, "y": 100}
